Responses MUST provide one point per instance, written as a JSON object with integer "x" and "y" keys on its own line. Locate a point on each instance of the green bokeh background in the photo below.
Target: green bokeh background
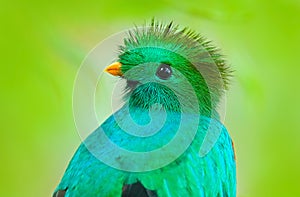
{"x": 42, "y": 45}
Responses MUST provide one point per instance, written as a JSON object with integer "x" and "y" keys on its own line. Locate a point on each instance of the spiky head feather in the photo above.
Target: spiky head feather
{"x": 194, "y": 59}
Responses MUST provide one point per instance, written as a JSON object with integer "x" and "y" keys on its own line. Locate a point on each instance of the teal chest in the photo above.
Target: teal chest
{"x": 120, "y": 153}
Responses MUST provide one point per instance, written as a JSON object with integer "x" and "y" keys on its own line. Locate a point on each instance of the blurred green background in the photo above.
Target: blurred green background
{"x": 43, "y": 44}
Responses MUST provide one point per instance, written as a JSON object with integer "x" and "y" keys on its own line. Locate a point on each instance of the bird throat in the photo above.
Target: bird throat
{"x": 154, "y": 96}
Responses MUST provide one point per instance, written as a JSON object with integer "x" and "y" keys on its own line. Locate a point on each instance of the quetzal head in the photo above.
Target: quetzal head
{"x": 165, "y": 65}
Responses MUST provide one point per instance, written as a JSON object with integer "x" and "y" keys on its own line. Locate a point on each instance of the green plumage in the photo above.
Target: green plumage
{"x": 197, "y": 69}
{"x": 187, "y": 52}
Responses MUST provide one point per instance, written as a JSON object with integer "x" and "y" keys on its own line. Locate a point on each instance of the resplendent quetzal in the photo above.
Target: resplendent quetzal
{"x": 167, "y": 139}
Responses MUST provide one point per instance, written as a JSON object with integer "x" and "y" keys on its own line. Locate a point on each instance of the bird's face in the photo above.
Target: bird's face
{"x": 166, "y": 68}
{"x": 155, "y": 77}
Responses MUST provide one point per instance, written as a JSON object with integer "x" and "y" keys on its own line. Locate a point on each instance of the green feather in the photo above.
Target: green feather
{"x": 186, "y": 101}
{"x": 189, "y": 175}
{"x": 183, "y": 49}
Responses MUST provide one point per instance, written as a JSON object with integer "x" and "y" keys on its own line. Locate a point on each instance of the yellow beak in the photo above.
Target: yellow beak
{"x": 114, "y": 69}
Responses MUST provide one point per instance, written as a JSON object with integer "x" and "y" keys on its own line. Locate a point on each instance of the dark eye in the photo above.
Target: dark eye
{"x": 164, "y": 71}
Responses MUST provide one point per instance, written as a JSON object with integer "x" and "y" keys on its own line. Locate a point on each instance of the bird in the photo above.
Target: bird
{"x": 167, "y": 140}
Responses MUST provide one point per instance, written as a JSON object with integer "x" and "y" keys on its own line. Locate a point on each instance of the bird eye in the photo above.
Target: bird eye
{"x": 164, "y": 71}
